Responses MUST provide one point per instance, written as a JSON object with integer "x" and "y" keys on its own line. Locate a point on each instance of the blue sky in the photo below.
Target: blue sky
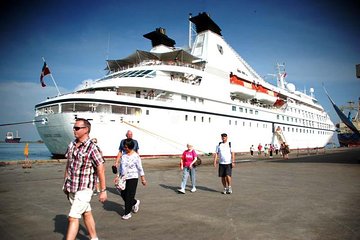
{"x": 318, "y": 41}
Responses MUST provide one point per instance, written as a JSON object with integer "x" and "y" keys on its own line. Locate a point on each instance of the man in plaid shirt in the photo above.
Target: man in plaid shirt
{"x": 84, "y": 164}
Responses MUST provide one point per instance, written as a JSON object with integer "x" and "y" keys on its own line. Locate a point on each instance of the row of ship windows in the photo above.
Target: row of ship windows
{"x": 307, "y": 114}
{"x": 137, "y": 73}
{"x": 303, "y": 113}
{"x": 259, "y": 125}
{"x": 304, "y": 122}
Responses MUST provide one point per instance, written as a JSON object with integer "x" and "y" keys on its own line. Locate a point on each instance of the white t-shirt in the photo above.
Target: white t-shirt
{"x": 224, "y": 152}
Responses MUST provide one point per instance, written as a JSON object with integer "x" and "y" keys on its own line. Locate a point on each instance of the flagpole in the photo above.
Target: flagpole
{"x": 53, "y": 79}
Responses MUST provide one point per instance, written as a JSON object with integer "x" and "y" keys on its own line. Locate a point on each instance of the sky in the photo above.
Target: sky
{"x": 319, "y": 41}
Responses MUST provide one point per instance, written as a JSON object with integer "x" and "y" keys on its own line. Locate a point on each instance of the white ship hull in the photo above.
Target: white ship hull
{"x": 169, "y": 105}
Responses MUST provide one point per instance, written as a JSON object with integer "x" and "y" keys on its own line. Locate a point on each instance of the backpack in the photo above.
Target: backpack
{"x": 229, "y": 144}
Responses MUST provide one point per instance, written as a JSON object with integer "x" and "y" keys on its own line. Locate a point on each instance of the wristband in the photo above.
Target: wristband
{"x": 103, "y": 190}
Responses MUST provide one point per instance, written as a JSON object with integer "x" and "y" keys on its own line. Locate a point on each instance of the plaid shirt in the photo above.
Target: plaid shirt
{"x": 81, "y": 167}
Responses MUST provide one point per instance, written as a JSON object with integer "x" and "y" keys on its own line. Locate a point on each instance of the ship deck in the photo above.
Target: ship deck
{"x": 309, "y": 196}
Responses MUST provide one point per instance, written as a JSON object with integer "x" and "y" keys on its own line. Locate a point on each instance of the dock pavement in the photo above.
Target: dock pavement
{"x": 313, "y": 195}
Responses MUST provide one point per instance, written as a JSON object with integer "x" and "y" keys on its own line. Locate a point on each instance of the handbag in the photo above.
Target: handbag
{"x": 120, "y": 183}
{"x": 198, "y": 162}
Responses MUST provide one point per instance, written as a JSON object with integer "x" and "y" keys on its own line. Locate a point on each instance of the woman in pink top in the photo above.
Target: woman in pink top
{"x": 187, "y": 161}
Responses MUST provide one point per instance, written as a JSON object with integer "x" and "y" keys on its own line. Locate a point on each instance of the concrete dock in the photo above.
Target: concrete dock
{"x": 309, "y": 196}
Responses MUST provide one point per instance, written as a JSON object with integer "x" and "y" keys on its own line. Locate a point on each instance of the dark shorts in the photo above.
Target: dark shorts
{"x": 225, "y": 170}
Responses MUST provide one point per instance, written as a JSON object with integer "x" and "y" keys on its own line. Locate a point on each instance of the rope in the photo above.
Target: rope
{"x": 18, "y": 123}
{"x": 162, "y": 137}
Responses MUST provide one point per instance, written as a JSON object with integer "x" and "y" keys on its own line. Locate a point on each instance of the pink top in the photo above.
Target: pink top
{"x": 188, "y": 157}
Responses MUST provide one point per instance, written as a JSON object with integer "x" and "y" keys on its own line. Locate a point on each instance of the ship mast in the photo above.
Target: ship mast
{"x": 192, "y": 32}
{"x": 281, "y": 75}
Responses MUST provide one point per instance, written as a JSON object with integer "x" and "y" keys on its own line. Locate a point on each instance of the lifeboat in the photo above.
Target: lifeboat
{"x": 265, "y": 96}
{"x": 241, "y": 88}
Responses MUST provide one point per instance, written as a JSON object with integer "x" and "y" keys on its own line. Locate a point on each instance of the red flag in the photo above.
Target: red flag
{"x": 45, "y": 71}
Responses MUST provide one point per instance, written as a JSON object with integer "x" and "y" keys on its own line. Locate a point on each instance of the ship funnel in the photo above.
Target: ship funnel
{"x": 158, "y": 37}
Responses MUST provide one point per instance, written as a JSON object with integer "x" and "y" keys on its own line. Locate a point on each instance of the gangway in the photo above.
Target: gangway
{"x": 279, "y": 135}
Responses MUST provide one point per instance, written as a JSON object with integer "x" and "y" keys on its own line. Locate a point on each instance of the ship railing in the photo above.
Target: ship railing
{"x": 157, "y": 63}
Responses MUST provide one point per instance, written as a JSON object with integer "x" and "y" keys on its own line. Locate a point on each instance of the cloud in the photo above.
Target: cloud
{"x": 17, "y": 105}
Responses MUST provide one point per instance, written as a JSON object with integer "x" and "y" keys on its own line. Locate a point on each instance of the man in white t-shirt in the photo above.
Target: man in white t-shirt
{"x": 226, "y": 162}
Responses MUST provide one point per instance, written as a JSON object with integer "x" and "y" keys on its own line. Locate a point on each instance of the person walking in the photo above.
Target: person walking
{"x": 259, "y": 149}
{"x": 129, "y": 135}
{"x": 266, "y": 150}
{"x": 252, "y": 149}
{"x": 271, "y": 150}
{"x": 84, "y": 164}
{"x": 226, "y": 162}
{"x": 131, "y": 167}
{"x": 187, "y": 162}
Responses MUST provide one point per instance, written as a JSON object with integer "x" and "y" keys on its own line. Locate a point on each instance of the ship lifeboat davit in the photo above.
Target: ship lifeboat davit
{"x": 265, "y": 96}
{"x": 241, "y": 88}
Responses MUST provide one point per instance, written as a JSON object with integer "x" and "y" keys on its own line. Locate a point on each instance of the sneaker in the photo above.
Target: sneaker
{"x": 127, "y": 216}
{"x": 193, "y": 189}
{"x": 135, "y": 208}
{"x": 229, "y": 191}
{"x": 225, "y": 191}
{"x": 181, "y": 190}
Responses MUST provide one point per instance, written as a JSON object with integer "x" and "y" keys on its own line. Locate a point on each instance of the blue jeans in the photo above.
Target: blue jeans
{"x": 186, "y": 173}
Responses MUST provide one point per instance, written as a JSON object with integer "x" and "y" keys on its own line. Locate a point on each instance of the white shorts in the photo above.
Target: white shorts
{"x": 80, "y": 202}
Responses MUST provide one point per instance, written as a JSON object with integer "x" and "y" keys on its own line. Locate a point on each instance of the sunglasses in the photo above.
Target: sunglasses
{"x": 78, "y": 128}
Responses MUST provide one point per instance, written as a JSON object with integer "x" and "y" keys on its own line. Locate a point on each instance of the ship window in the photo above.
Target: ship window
{"x": 102, "y": 108}
{"x": 201, "y": 100}
{"x": 133, "y": 111}
{"x": 229, "y": 122}
{"x": 245, "y": 110}
{"x": 209, "y": 119}
{"x": 202, "y": 119}
{"x": 68, "y": 107}
{"x": 192, "y": 99}
{"x": 119, "y": 109}
{"x": 235, "y": 123}
{"x": 256, "y": 112}
{"x": 186, "y": 118}
{"x": 194, "y": 118}
{"x": 234, "y": 108}
{"x": 183, "y": 97}
{"x": 220, "y": 48}
{"x": 147, "y": 112}
{"x": 251, "y": 111}
{"x": 244, "y": 124}
{"x": 241, "y": 109}
{"x": 277, "y": 117}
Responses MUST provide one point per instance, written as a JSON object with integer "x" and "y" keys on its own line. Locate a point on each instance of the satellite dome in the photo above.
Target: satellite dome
{"x": 291, "y": 87}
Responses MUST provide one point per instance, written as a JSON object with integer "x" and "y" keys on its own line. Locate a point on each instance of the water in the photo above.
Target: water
{"x": 15, "y": 151}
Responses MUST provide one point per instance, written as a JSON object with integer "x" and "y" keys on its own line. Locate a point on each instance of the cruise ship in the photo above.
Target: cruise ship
{"x": 170, "y": 96}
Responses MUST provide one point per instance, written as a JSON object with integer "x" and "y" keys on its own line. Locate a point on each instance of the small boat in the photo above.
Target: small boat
{"x": 11, "y": 139}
